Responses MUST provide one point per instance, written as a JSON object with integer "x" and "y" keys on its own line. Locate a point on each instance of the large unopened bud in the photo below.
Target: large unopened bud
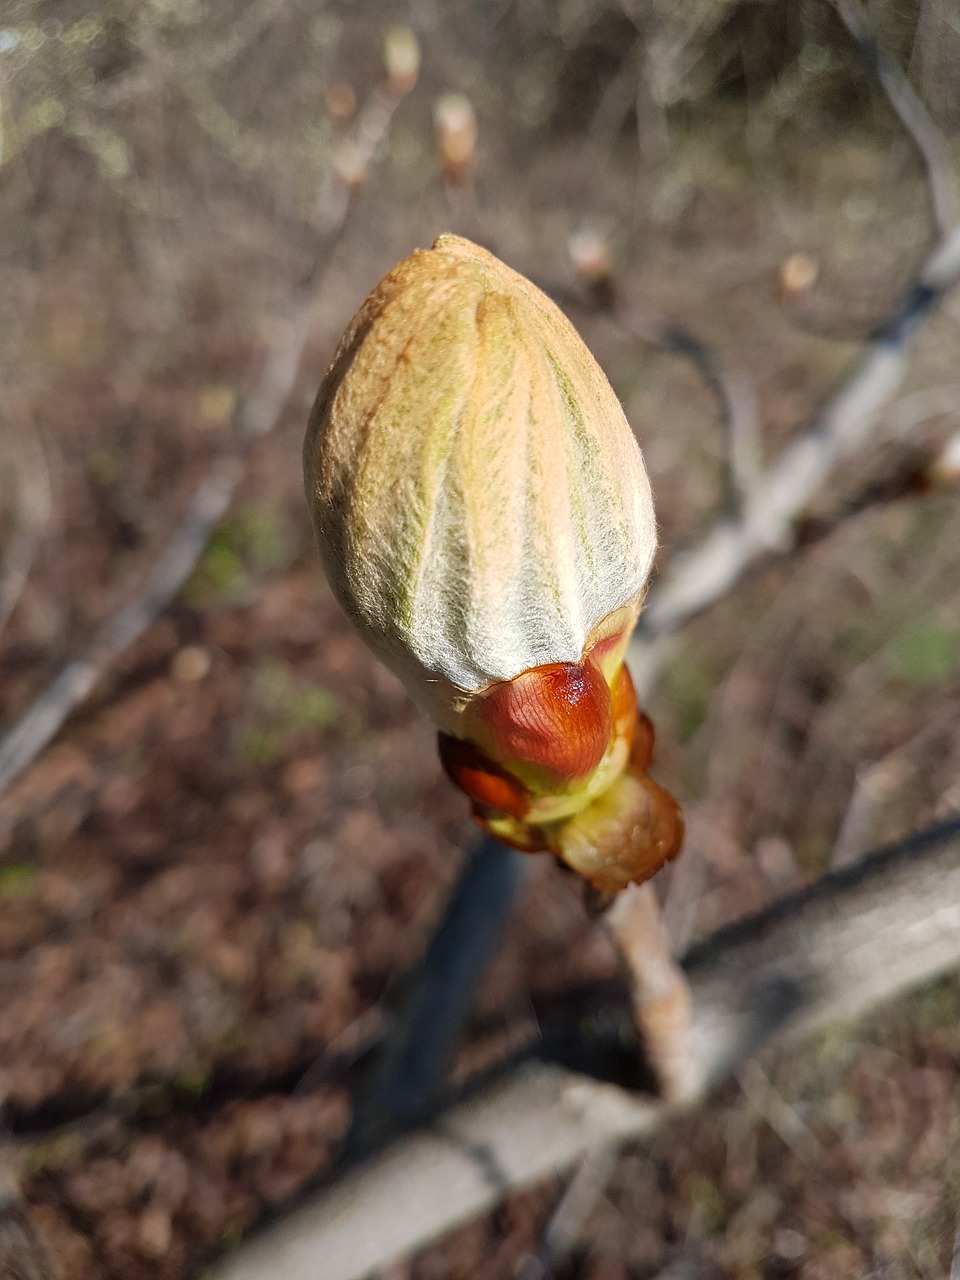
{"x": 485, "y": 519}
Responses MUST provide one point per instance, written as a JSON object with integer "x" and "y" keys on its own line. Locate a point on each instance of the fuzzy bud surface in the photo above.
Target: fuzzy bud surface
{"x": 485, "y": 519}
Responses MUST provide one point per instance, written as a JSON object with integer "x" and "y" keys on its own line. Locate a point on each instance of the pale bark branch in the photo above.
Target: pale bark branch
{"x": 860, "y": 936}
{"x": 913, "y": 115}
{"x": 701, "y": 576}
{"x": 781, "y": 493}
{"x": 660, "y": 992}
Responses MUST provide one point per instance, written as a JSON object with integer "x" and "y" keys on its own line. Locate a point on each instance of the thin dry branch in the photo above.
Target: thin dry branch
{"x": 34, "y": 507}
{"x": 208, "y": 504}
{"x": 860, "y": 936}
{"x": 784, "y": 490}
{"x": 734, "y": 393}
{"x": 15, "y": 568}
{"x": 914, "y": 116}
{"x": 257, "y": 414}
{"x": 584, "y": 1190}
{"x": 736, "y": 398}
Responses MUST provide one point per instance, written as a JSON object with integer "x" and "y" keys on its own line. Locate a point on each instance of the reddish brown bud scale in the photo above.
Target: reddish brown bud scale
{"x": 641, "y": 752}
{"x": 555, "y": 720}
{"x": 541, "y": 729}
{"x": 623, "y": 701}
{"x": 478, "y": 777}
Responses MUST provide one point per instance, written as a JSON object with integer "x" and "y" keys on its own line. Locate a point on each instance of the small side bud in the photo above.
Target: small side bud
{"x": 590, "y": 255}
{"x": 350, "y": 164}
{"x": 455, "y": 122}
{"x": 401, "y": 59}
{"x": 798, "y": 273}
{"x": 341, "y": 101}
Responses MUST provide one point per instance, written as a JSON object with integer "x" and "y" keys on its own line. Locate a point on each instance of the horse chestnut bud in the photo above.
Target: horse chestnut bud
{"x": 484, "y": 516}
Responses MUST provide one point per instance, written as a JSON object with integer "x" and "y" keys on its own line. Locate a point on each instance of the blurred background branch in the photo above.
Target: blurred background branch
{"x": 256, "y": 414}
{"x": 860, "y": 936}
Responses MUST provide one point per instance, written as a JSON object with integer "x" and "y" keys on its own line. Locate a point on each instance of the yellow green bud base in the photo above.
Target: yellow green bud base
{"x": 613, "y": 824}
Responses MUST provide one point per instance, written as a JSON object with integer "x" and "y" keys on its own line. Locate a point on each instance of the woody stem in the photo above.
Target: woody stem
{"x": 661, "y": 993}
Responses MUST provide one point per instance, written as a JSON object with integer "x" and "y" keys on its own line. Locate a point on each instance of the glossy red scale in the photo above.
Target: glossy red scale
{"x": 482, "y": 780}
{"x": 556, "y": 718}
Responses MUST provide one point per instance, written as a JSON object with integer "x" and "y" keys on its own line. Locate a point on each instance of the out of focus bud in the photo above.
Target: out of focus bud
{"x": 401, "y": 59}
{"x": 798, "y": 273}
{"x": 455, "y": 122}
{"x": 341, "y": 100}
{"x": 945, "y": 468}
{"x": 590, "y": 255}
{"x": 350, "y": 164}
{"x": 485, "y": 519}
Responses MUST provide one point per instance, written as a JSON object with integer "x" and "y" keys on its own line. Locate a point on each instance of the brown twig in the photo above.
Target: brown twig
{"x": 858, "y": 937}
{"x": 15, "y": 568}
{"x": 875, "y": 781}
{"x": 589, "y": 253}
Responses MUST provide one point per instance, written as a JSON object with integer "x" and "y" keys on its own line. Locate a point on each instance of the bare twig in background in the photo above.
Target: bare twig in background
{"x": 15, "y": 568}
{"x": 734, "y": 392}
{"x": 590, "y": 256}
{"x": 875, "y": 781}
{"x": 782, "y": 492}
{"x": 256, "y": 414}
{"x": 703, "y": 575}
{"x": 913, "y": 115}
{"x": 585, "y": 1188}
{"x": 917, "y": 406}
{"x": 869, "y": 785}
{"x": 771, "y": 1107}
{"x": 858, "y": 937}
{"x": 34, "y": 502}
{"x": 23, "y": 1254}
{"x": 45, "y": 717}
